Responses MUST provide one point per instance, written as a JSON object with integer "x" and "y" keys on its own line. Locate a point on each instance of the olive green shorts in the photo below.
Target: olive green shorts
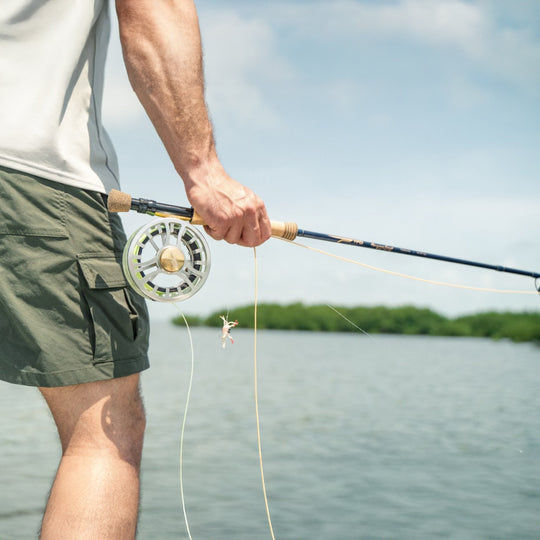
{"x": 67, "y": 315}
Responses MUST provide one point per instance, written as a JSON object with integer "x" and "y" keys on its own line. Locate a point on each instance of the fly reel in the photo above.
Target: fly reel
{"x": 167, "y": 260}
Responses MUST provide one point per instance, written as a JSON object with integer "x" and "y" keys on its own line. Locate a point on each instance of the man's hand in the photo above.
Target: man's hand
{"x": 231, "y": 211}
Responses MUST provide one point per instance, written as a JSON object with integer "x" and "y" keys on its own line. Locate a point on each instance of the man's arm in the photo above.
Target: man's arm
{"x": 162, "y": 51}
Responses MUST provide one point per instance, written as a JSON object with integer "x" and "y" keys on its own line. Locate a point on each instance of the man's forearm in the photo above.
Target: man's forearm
{"x": 162, "y": 51}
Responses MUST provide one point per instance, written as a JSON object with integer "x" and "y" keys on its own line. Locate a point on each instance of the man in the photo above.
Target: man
{"x": 68, "y": 323}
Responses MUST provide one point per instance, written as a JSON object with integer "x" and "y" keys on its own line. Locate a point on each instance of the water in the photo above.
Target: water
{"x": 384, "y": 438}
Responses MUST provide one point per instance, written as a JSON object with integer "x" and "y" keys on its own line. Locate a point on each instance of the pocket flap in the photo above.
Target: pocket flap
{"x": 103, "y": 272}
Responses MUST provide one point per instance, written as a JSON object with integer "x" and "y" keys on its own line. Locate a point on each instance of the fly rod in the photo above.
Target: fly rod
{"x": 122, "y": 202}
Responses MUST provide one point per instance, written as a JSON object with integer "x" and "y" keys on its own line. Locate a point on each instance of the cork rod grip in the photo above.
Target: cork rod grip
{"x": 288, "y": 231}
{"x": 118, "y": 201}
{"x": 281, "y": 229}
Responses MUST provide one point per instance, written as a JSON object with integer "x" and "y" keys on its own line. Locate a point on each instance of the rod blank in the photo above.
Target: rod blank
{"x": 413, "y": 253}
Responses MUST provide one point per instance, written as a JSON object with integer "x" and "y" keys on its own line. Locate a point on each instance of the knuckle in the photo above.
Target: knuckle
{"x": 238, "y": 214}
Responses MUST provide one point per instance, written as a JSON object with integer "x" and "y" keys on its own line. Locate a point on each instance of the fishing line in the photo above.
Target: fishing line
{"x": 406, "y": 276}
{"x": 184, "y": 422}
{"x": 255, "y": 376}
{"x": 349, "y": 321}
{"x": 257, "y": 396}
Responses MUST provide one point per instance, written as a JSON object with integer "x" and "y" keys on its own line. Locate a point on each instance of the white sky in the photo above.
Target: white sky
{"x": 413, "y": 123}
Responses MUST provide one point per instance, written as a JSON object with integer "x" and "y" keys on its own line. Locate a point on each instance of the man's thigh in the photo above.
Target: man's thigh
{"x": 67, "y": 315}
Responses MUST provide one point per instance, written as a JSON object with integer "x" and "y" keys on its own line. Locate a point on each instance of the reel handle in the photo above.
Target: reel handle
{"x": 118, "y": 201}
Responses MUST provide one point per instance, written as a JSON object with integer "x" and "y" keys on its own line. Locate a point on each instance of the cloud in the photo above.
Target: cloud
{"x": 435, "y": 21}
{"x": 241, "y": 58}
{"x": 508, "y": 49}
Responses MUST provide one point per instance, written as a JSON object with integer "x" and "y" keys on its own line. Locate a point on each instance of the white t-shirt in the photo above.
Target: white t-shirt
{"x": 52, "y": 60}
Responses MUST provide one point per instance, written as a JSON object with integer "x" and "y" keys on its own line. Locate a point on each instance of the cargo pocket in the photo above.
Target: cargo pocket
{"x": 113, "y": 320}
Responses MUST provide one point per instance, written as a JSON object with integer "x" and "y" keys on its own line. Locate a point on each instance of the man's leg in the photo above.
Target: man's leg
{"x": 96, "y": 490}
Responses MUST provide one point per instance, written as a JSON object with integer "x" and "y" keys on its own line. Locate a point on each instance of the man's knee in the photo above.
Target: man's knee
{"x": 105, "y": 417}
{"x": 124, "y": 424}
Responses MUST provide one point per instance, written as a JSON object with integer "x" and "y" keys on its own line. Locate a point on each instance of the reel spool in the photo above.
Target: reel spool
{"x": 166, "y": 260}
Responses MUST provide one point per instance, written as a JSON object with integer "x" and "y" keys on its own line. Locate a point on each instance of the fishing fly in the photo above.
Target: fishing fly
{"x": 226, "y": 330}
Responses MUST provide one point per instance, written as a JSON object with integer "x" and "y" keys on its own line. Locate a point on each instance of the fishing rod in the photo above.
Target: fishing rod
{"x": 122, "y": 202}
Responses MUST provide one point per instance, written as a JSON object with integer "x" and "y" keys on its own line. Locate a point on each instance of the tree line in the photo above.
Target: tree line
{"x": 408, "y": 320}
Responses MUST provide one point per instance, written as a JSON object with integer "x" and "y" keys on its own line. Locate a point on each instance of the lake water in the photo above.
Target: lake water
{"x": 363, "y": 438}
